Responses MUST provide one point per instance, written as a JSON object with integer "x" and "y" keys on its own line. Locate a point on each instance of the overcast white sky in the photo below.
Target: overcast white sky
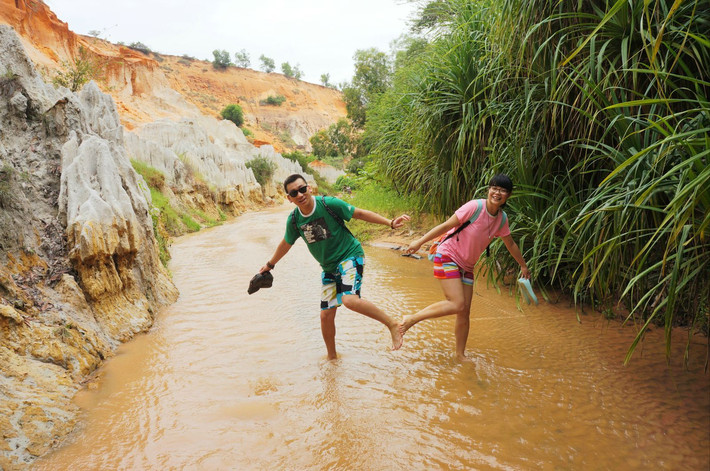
{"x": 320, "y": 36}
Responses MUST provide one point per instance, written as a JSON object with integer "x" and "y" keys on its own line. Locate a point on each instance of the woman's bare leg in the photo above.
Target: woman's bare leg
{"x": 454, "y": 303}
{"x": 463, "y": 323}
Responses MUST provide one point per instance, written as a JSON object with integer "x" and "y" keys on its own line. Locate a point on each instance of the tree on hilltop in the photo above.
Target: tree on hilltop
{"x": 267, "y": 63}
{"x": 241, "y": 59}
{"x": 291, "y": 71}
{"x": 221, "y": 59}
{"x": 325, "y": 80}
{"x": 287, "y": 69}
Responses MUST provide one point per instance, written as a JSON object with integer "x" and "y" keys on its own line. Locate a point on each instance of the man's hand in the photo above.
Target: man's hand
{"x": 399, "y": 221}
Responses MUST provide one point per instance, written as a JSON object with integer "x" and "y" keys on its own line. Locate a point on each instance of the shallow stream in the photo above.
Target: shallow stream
{"x": 228, "y": 381}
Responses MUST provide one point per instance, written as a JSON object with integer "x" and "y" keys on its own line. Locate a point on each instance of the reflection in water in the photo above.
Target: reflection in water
{"x": 230, "y": 381}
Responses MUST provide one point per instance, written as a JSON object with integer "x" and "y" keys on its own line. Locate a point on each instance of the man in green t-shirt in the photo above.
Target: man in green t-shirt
{"x": 319, "y": 222}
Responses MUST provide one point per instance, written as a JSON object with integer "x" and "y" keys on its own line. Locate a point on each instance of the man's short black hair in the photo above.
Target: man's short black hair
{"x": 502, "y": 180}
{"x": 292, "y": 178}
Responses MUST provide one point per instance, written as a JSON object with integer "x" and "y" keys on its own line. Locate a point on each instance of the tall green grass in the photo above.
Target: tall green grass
{"x": 377, "y": 196}
{"x": 599, "y": 112}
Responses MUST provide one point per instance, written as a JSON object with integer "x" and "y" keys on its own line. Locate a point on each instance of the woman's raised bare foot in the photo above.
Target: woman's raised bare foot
{"x": 405, "y": 324}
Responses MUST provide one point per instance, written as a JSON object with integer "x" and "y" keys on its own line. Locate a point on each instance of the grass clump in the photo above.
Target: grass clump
{"x": 167, "y": 220}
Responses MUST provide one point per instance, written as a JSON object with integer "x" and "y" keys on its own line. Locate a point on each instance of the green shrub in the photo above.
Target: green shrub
{"x": 263, "y": 169}
{"x": 346, "y": 180}
{"x": 287, "y": 69}
{"x": 140, "y": 47}
{"x": 338, "y": 140}
{"x": 76, "y": 73}
{"x": 355, "y": 166}
{"x": 234, "y": 113}
{"x": 273, "y": 100}
{"x": 302, "y": 160}
{"x": 247, "y": 132}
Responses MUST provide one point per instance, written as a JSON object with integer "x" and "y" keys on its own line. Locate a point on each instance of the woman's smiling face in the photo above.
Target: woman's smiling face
{"x": 497, "y": 195}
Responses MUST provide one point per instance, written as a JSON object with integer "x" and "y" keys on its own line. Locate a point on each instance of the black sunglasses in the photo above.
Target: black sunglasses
{"x": 294, "y": 193}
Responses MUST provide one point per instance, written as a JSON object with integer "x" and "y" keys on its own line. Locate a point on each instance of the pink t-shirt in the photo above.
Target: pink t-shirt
{"x": 465, "y": 247}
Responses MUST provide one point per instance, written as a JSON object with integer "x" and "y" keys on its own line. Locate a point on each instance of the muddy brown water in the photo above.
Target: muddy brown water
{"x": 228, "y": 381}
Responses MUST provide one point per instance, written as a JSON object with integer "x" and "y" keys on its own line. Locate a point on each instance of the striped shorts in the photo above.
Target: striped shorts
{"x": 445, "y": 268}
{"x": 346, "y": 280}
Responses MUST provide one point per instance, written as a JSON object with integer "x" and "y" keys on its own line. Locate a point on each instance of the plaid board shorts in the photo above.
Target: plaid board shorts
{"x": 347, "y": 279}
{"x": 445, "y": 268}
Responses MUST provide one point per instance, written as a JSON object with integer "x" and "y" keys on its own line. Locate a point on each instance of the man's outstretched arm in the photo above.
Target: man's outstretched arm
{"x": 370, "y": 216}
{"x": 281, "y": 250}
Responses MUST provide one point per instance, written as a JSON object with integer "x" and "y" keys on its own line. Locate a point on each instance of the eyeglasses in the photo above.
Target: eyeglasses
{"x": 294, "y": 193}
{"x": 497, "y": 189}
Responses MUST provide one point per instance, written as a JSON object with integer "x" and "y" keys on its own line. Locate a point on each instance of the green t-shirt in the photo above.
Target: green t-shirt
{"x": 328, "y": 241}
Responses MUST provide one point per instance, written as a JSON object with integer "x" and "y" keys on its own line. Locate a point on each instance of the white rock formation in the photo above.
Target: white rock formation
{"x": 79, "y": 266}
{"x": 215, "y": 149}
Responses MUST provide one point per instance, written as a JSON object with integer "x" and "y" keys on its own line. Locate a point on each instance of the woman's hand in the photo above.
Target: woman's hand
{"x": 526, "y": 273}
{"x": 413, "y": 247}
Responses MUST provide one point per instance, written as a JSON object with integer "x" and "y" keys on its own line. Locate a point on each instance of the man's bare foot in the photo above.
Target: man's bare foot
{"x": 397, "y": 337}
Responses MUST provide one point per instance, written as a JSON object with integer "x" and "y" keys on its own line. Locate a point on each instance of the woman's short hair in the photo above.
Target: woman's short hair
{"x": 502, "y": 180}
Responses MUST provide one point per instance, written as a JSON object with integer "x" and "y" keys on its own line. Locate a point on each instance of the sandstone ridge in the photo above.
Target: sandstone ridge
{"x": 152, "y": 86}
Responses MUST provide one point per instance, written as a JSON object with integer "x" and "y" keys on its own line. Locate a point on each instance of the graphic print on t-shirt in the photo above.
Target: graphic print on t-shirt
{"x": 315, "y": 231}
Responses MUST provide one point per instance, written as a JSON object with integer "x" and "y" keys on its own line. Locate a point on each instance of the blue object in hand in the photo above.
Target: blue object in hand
{"x": 526, "y": 290}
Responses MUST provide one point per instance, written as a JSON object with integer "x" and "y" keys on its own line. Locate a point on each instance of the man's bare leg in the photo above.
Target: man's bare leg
{"x": 454, "y": 303}
{"x": 327, "y": 328}
{"x": 363, "y": 306}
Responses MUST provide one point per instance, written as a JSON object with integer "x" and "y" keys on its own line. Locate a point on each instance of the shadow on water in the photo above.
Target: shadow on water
{"x": 225, "y": 380}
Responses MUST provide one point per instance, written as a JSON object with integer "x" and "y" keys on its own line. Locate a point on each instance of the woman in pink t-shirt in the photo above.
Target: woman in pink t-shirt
{"x": 457, "y": 256}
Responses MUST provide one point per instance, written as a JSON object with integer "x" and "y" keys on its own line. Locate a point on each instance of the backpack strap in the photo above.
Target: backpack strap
{"x": 337, "y": 218}
{"x": 503, "y": 220}
{"x": 292, "y": 218}
{"x": 473, "y": 218}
